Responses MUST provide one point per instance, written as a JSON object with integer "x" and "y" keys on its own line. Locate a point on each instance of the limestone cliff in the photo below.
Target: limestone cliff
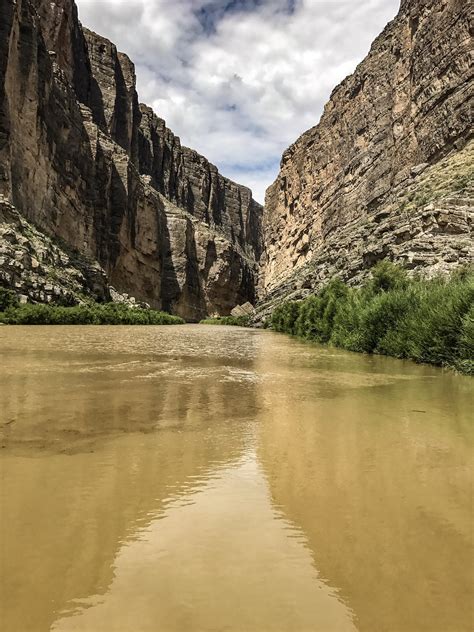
{"x": 388, "y": 171}
{"x": 84, "y": 162}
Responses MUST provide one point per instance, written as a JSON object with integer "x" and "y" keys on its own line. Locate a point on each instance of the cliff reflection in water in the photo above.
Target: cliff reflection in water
{"x": 373, "y": 461}
{"x": 206, "y": 478}
{"x": 70, "y": 497}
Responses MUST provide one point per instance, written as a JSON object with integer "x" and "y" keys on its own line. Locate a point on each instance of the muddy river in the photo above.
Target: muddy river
{"x": 203, "y": 478}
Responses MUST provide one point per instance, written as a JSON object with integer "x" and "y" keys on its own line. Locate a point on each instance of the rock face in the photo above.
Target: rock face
{"x": 84, "y": 162}
{"x": 192, "y": 183}
{"x": 386, "y": 172}
{"x": 40, "y": 271}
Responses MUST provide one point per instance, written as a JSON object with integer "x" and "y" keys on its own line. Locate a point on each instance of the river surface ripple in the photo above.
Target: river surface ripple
{"x": 204, "y": 478}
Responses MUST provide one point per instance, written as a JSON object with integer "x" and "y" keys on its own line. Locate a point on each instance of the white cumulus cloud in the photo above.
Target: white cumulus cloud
{"x": 240, "y": 80}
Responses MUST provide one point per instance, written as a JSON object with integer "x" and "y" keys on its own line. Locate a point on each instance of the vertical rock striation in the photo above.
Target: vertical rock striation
{"x": 83, "y": 161}
{"x": 191, "y": 182}
{"x": 353, "y": 189}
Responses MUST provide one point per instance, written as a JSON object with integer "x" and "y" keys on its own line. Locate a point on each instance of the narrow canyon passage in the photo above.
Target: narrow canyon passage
{"x": 207, "y": 478}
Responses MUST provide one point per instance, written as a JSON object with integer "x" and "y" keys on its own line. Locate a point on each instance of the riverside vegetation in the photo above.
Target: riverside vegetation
{"x": 12, "y": 313}
{"x": 430, "y": 321}
{"x": 235, "y": 321}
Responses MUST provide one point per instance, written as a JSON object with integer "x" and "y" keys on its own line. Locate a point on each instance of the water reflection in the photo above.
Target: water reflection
{"x": 218, "y": 558}
{"x": 377, "y": 472}
{"x": 70, "y": 496}
{"x": 204, "y": 478}
{"x": 66, "y": 387}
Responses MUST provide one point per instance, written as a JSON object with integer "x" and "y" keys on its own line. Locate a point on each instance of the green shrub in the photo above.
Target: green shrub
{"x": 427, "y": 321}
{"x": 434, "y": 330}
{"x": 235, "y": 321}
{"x": 465, "y": 361}
{"x": 309, "y": 322}
{"x": 8, "y": 298}
{"x": 96, "y": 314}
{"x": 317, "y": 313}
{"x": 387, "y": 276}
{"x": 381, "y": 318}
{"x": 285, "y": 316}
{"x": 347, "y": 331}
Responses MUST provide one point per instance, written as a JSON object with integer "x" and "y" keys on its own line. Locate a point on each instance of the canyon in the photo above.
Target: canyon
{"x": 200, "y": 477}
{"x": 94, "y": 183}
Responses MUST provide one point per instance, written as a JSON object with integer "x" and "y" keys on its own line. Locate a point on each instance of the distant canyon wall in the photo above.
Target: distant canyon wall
{"x": 86, "y": 163}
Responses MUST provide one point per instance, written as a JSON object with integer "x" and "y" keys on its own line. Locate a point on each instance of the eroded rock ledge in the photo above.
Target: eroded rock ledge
{"x": 39, "y": 270}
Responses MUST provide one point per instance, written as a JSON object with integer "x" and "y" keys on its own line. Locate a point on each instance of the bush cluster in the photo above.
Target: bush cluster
{"x": 95, "y": 314}
{"x": 428, "y": 321}
{"x": 8, "y": 298}
{"x": 236, "y": 321}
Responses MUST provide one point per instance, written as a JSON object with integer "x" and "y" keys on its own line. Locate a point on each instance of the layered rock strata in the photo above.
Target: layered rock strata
{"x": 427, "y": 228}
{"x": 84, "y": 162}
{"x": 342, "y": 199}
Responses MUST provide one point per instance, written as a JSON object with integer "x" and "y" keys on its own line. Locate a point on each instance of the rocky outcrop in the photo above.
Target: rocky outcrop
{"x": 83, "y": 162}
{"x": 40, "y": 271}
{"x": 246, "y": 311}
{"x": 368, "y": 182}
{"x": 113, "y": 99}
{"x": 427, "y": 228}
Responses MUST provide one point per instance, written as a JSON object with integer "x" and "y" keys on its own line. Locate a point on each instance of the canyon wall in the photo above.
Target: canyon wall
{"x": 83, "y": 161}
{"x": 388, "y": 171}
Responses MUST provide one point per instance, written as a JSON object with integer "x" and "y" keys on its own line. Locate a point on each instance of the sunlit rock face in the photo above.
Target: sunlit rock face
{"x": 83, "y": 161}
{"x": 368, "y": 182}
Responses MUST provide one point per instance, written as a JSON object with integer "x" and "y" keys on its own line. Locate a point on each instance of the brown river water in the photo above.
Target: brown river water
{"x": 203, "y": 478}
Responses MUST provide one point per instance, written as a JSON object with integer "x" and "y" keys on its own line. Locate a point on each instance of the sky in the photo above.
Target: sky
{"x": 240, "y": 80}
